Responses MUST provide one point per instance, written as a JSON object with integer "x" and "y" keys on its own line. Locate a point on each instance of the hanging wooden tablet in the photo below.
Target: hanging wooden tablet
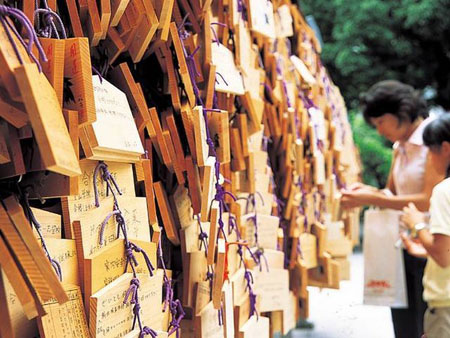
{"x": 66, "y": 320}
{"x": 201, "y": 145}
{"x": 20, "y": 222}
{"x": 40, "y": 289}
{"x": 183, "y": 69}
{"x": 194, "y": 185}
{"x": 219, "y": 128}
{"x": 228, "y": 77}
{"x": 134, "y": 211}
{"x": 65, "y": 253}
{"x": 166, "y": 214}
{"x": 261, "y": 18}
{"x": 108, "y": 264}
{"x": 47, "y": 120}
{"x": 12, "y": 112}
{"x": 208, "y": 188}
{"x": 78, "y": 73}
{"x": 219, "y": 274}
{"x": 21, "y": 325}
{"x": 213, "y": 232}
{"x": 54, "y": 67}
{"x": 207, "y": 323}
{"x": 255, "y": 327}
{"x": 21, "y": 290}
{"x": 115, "y": 129}
{"x": 9, "y": 62}
{"x": 93, "y": 25}
{"x": 144, "y": 32}
{"x": 4, "y": 153}
{"x": 110, "y": 314}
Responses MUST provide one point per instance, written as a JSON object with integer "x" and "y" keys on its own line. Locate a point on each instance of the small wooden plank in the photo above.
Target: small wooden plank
{"x": 166, "y": 214}
{"x": 208, "y": 188}
{"x": 47, "y": 121}
{"x": 75, "y": 21}
{"x": 66, "y": 320}
{"x": 6, "y": 329}
{"x": 9, "y": 62}
{"x": 16, "y": 166}
{"x": 201, "y": 145}
{"x": 54, "y": 67}
{"x": 213, "y": 232}
{"x": 102, "y": 320}
{"x": 19, "y": 220}
{"x": 78, "y": 69}
{"x": 193, "y": 179}
{"x": 94, "y": 26}
{"x": 109, "y": 263}
{"x": 20, "y": 286}
{"x": 219, "y": 274}
{"x": 183, "y": 69}
{"x": 117, "y": 9}
{"x": 27, "y": 263}
{"x": 12, "y": 112}
{"x": 149, "y": 192}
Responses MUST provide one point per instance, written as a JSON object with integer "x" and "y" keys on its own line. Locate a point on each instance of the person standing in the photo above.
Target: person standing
{"x": 400, "y": 115}
{"x": 434, "y": 238}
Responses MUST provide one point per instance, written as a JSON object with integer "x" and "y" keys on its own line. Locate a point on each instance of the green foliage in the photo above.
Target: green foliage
{"x": 366, "y": 41}
{"x": 375, "y": 154}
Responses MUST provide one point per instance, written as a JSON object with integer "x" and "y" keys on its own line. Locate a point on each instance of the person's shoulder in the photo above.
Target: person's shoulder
{"x": 442, "y": 189}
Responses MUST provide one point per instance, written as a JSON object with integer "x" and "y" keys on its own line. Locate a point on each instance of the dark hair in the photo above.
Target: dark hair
{"x": 393, "y": 97}
{"x": 437, "y": 131}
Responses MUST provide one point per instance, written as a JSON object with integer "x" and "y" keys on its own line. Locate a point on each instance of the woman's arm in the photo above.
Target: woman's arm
{"x": 421, "y": 200}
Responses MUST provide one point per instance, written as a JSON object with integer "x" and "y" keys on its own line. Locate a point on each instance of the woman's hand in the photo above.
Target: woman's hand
{"x": 357, "y": 198}
{"x": 414, "y": 248}
{"x": 359, "y": 185}
{"x": 411, "y": 216}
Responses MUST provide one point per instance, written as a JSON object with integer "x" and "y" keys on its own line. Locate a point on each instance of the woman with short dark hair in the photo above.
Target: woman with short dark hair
{"x": 399, "y": 114}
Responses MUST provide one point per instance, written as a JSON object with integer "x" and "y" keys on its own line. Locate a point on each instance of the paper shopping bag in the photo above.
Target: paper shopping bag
{"x": 384, "y": 272}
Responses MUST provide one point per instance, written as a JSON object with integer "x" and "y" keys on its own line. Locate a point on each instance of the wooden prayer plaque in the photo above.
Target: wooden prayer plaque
{"x": 38, "y": 267}
{"x": 50, "y": 223}
{"x": 207, "y": 323}
{"x": 219, "y": 127}
{"x": 47, "y": 121}
{"x": 21, "y": 325}
{"x": 134, "y": 211}
{"x": 9, "y": 62}
{"x": 208, "y": 188}
{"x": 74, "y": 206}
{"x": 109, "y": 313}
{"x": 54, "y": 67}
{"x": 255, "y": 327}
{"x": 228, "y": 78}
{"x": 115, "y": 129}
{"x": 166, "y": 213}
{"x": 67, "y": 320}
{"x": 108, "y": 264}
{"x": 272, "y": 287}
{"x": 78, "y": 70}
{"x": 201, "y": 146}
{"x": 65, "y": 253}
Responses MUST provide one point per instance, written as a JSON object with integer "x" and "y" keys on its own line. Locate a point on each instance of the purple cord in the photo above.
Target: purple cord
{"x": 34, "y": 222}
{"x": 132, "y": 292}
{"x": 6, "y": 11}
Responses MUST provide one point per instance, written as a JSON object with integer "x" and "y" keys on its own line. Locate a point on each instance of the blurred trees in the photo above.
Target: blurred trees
{"x": 370, "y": 40}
